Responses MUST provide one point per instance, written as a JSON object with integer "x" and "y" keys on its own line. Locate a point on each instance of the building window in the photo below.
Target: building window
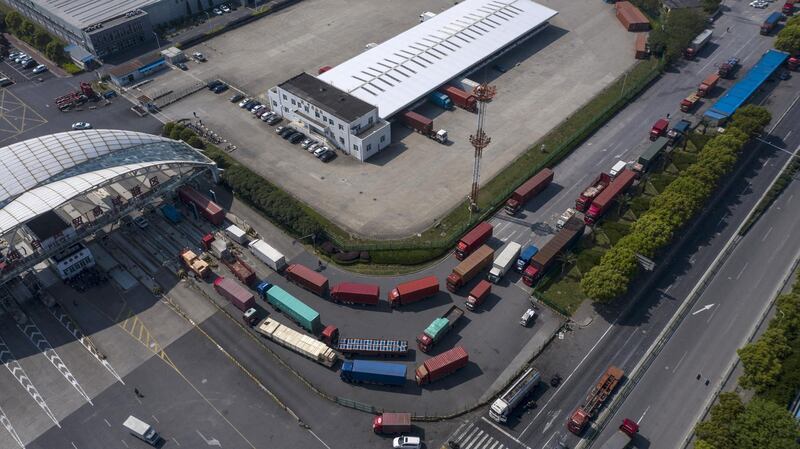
{"x": 316, "y": 113}
{"x": 274, "y": 104}
{"x": 383, "y": 139}
{"x": 369, "y": 146}
{"x": 341, "y": 127}
{"x": 355, "y": 147}
{"x": 293, "y": 102}
{"x": 284, "y": 97}
{"x": 341, "y": 140}
{"x": 370, "y": 120}
{"x": 306, "y": 108}
{"x": 285, "y": 109}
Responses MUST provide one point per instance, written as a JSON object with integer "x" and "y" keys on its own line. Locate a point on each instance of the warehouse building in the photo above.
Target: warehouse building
{"x": 399, "y": 73}
{"x": 106, "y": 27}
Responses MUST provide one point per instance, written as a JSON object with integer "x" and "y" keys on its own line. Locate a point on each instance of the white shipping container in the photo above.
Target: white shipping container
{"x": 267, "y": 254}
{"x": 237, "y": 234}
{"x": 300, "y": 343}
{"x": 219, "y": 248}
{"x": 504, "y": 261}
{"x": 465, "y": 84}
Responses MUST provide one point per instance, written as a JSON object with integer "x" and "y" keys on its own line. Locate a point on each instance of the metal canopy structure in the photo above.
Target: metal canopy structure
{"x": 400, "y": 71}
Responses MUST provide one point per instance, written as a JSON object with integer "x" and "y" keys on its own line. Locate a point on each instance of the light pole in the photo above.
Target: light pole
{"x": 158, "y": 42}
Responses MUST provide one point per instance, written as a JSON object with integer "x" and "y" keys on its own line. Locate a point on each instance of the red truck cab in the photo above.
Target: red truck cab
{"x": 478, "y": 294}
{"x": 473, "y": 239}
{"x": 788, "y": 7}
{"x": 530, "y": 275}
{"x": 659, "y": 128}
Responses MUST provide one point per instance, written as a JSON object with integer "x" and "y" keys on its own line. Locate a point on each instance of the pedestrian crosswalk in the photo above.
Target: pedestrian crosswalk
{"x": 476, "y": 436}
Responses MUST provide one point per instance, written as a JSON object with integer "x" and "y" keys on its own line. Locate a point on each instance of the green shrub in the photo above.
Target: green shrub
{"x": 683, "y": 159}
{"x": 615, "y": 230}
{"x": 72, "y": 68}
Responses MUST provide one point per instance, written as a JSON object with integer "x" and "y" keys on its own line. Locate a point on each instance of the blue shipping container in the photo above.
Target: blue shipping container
{"x": 171, "y": 213}
{"x": 371, "y": 372}
{"x": 441, "y": 100}
{"x": 525, "y": 257}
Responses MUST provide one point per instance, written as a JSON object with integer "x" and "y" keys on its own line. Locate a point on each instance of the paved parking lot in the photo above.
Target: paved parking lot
{"x": 406, "y": 187}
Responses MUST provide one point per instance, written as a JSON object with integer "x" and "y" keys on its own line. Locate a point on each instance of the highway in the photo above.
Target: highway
{"x": 722, "y": 320}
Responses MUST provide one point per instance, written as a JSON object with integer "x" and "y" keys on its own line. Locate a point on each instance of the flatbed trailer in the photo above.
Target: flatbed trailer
{"x": 373, "y": 347}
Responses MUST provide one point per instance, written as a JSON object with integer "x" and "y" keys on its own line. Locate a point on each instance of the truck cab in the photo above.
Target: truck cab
{"x": 659, "y": 128}
{"x": 250, "y": 317}
{"x": 617, "y": 169}
{"x": 562, "y": 220}
{"x": 525, "y": 257}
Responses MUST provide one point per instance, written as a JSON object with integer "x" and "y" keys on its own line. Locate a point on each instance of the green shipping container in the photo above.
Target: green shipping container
{"x": 295, "y": 309}
{"x": 437, "y": 326}
{"x": 653, "y": 151}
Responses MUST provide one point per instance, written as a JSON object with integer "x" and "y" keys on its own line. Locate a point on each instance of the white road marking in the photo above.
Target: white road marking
{"x": 790, "y": 199}
{"x": 550, "y": 421}
{"x": 787, "y": 134}
{"x": 156, "y": 419}
{"x": 679, "y": 361}
{"x": 505, "y": 433}
{"x": 766, "y": 234}
{"x": 639, "y": 421}
{"x": 176, "y": 441}
{"x": 107, "y": 423}
{"x": 547, "y": 443}
{"x": 495, "y": 444}
{"x": 473, "y": 438}
{"x": 124, "y": 443}
{"x": 742, "y": 270}
{"x": 703, "y": 309}
{"x": 73, "y": 444}
{"x": 7, "y": 424}
{"x": 478, "y": 445}
{"x": 318, "y": 438}
{"x": 8, "y": 359}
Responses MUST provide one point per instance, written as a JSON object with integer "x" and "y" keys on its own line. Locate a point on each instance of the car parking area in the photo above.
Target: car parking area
{"x": 416, "y": 180}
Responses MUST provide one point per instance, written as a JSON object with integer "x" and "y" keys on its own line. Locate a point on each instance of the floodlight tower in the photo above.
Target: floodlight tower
{"x": 484, "y": 94}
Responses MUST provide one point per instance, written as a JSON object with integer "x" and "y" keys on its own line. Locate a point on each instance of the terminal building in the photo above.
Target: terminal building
{"x": 400, "y": 73}
{"x": 106, "y": 27}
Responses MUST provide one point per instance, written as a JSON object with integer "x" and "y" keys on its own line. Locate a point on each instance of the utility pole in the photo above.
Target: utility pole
{"x": 484, "y": 94}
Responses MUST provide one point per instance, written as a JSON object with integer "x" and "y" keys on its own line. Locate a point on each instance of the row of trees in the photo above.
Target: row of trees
{"x": 676, "y": 31}
{"x": 673, "y": 207}
{"x": 281, "y": 208}
{"x": 759, "y": 424}
{"x": 35, "y": 35}
{"x": 789, "y": 37}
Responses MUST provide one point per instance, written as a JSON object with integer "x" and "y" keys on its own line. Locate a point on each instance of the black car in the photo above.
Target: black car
{"x": 237, "y": 98}
{"x": 285, "y": 132}
{"x": 297, "y": 138}
{"x": 31, "y": 63}
{"x": 249, "y": 104}
{"x": 327, "y": 156}
{"x": 253, "y": 106}
{"x": 287, "y": 136}
{"x": 220, "y": 88}
{"x": 213, "y": 84}
{"x": 274, "y": 120}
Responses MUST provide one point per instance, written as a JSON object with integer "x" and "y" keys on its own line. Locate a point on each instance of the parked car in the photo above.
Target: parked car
{"x": 216, "y": 12}
{"x": 288, "y": 135}
{"x": 20, "y": 57}
{"x": 307, "y": 143}
{"x": 405, "y": 442}
{"x": 30, "y": 63}
{"x": 41, "y": 68}
{"x": 297, "y": 138}
{"x": 258, "y": 110}
{"x": 220, "y": 88}
{"x": 279, "y": 130}
{"x": 527, "y": 317}
{"x": 243, "y": 102}
{"x": 5, "y": 82}
{"x": 236, "y": 98}
{"x": 328, "y": 156}
{"x": 199, "y": 57}
{"x": 784, "y": 75}
{"x": 265, "y": 115}
{"x": 249, "y": 105}
{"x": 274, "y": 120}
{"x": 320, "y": 151}
{"x": 141, "y": 222}
{"x": 254, "y": 105}
{"x": 182, "y": 66}
{"x": 82, "y": 125}
{"x": 225, "y": 8}
{"x": 212, "y": 84}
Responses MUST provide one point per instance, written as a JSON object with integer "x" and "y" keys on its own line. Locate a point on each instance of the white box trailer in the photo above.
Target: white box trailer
{"x": 237, "y": 234}
{"x": 298, "y": 342}
{"x": 465, "y": 84}
{"x": 267, "y": 254}
{"x": 141, "y": 430}
{"x": 219, "y": 248}
{"x": 504, "y": 261}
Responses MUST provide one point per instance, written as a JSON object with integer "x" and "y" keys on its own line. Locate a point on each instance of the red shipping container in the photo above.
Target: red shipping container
{"x": 413, "y": 291}
{"x": 631, "y": 17}
{"x": 307, "y": 278}
{"x": 442, "y": 365}
{"x": 207, "y": 208}
{"x": 235, "y": 293}
{"x": 350, "y": 292}
{"x": 241, "y": 270}
{"x": 418, "y": 122}
{"x": 460, "y": 98}
{"x": 323, "y": 69}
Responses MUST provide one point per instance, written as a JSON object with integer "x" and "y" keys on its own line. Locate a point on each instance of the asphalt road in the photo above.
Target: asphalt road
{"x": 685, "y": 374}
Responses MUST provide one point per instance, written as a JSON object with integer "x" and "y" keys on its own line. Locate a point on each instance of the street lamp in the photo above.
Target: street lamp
{"x": 157, "y": 41}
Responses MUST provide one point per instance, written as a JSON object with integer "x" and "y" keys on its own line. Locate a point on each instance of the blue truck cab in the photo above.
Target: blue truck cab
{"x": 262, "y": 288}
{"x": 441, "y": 100}
{"x": 525, "y": 258}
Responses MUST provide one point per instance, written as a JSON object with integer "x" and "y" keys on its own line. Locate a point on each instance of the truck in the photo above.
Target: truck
{"x": 659, "y": 129}
{"x": 462, "y": 99}
{"x": 678, "y": 131}
{"x": 307, "y": 278}
{"x": 525, "y": 257}
{"x": 728, "y": 68}
{"x": 565, "y": 216}
{"x": 426, "y": 15}
{"x": 503, "y": 406}
{"x": 603, "y": 201}
{"x": 439, "y": 328}
{"x": 270, "y": 256}
{"x": 478, "y": 295}
{"x": 372, "y": 372}
{"x": 353, "y": 293}
{"x": 171, "y": 213}
{"x": 210, "y": 210}
{"x": 441, "y": 100}
{"x": 441, "y": 366}
{"x": 532, "y": 187}
{"x": 304, "y": 345}
{"x": 568, "y": 235}
{"x": 507, "y": 258}
{"x": 770, "y": 23}
{"x": 788, "y": 7}
{"x": 621, "y": 439}
{"x": 473, "y": 239}
{"x": 793, "y": 63}
{"x": 597, "y": 397}
{"x": 423, "y": 125}
{"x": 372, "y": 347}
{"x": 697, "y": 44}
{"x": 391, "y": 423}
{"x": 707, "y": 86}
{"x": 617, "y": 168}
{"x": 413, "y": 291}
{"x": 141, "y": 430}
{"x": 469, "y": 268}
{"x": 197, "y": 265}
{"x": 688, "y": 103}
{"x": 652, "y": 153}
{"x": 236, "y": 234}
{"x": 243, "y": 272}
{"x": 590, "y": 193}
{"x": 292, "y": 307}
{"x": 237, "y": 295}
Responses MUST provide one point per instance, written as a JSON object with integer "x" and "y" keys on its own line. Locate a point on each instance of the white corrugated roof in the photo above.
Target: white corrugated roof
{"x": 399, "y": 71}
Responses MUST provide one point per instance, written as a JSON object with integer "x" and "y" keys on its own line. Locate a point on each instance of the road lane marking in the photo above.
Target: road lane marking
{"x": 787, "y": 134}
{"x": 703, "y": 309}
{"x": 156, "y": 419}
{"x": 478, "y": 445}
{"x": 318, "y": 438}
{"x": 679, "y": 362}
{"x": 790, "y": 199}
{"x": 505, "y": 433}
{"x": 107, "y": 423}
{"x": 742, "y": 270}
{"x": 473, "y": 438}
{"x": 550, "y": 421}
{"x": 639, "y": 421}
{"x": 766, "y": 234}
{"x": 123, "y": 442}
{"x": 7, "y": 424}
{"x": 73, "y": 444}
{"x": 176, "y": 441}
{"x": 8, "y": 359}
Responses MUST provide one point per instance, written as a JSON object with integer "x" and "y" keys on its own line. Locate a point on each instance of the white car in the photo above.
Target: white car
{"x": 225, "y": 8}
{"x": 82, "y": 125}
{"x": 41, "y": 68}
{"x": 407, "y": 443}
{"x": 320, "y": 151}
{"x": 527, "y": 317}
{"x": 216, "y": 11}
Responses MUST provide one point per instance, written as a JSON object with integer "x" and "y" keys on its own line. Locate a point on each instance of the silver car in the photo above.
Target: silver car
{"x": 320, "y": 151}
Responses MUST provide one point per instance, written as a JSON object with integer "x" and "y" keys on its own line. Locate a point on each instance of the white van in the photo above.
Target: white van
{"x": 617, "y": 168}
{"x": 142, "y": 430}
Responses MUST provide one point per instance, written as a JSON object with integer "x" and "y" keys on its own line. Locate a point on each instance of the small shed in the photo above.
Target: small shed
{"x": 174, "y": 55}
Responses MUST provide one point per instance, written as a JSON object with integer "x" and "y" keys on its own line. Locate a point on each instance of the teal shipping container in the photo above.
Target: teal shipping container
{"x": 295, "y": 309}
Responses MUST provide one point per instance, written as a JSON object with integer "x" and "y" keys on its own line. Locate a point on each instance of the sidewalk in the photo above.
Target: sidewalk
{"x": 52, "y": 66}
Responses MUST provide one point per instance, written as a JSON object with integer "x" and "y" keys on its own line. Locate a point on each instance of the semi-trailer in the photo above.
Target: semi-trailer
{"x": 532, "y": 187}
{"x": 460, "y": 98}
{"x": 728, "y": 68}
{"x": 590, "y": 193}
{"x": 441, "y": 366}
{"x": 770, "y": 23}
{"x": 423, "y": 125}
{"x": 525, "y": 257}
{"x": 600, "y": 393}
{"x": 688, "y": 103}
{"x": 622, "y": 438}
{"x": 603, "y": 201}
{"x": 652, "y": 153}
{"x": 441, "y": 100}
{"x": 197, "y": 265}
{"x": 659, "y": 129}
{"x": 503, "y": 406}
{"x": 413, "y": 291}
{"x": 568, "y": 235}
{"x": 707, "y": 86}
{"x": 508, "y": 256}
{"x": 171, "y": 213}
{"x": 372, "y": 347}
{"x": 243, "y": 272}
{"x": 372, "y": 372}
{"x": 205, "y": 207}
{"x": 391, "y": 423}
{"x": 697, "y": 44}
{"x": 270, "y": 256}
{"x": 307, "y": 278}
{"x": 353, "y": 293}
{"x": 478, "y": 295}
{"x": 292, "y": 307}
{"x": 473, "y": 239}
{"x": 439, "y": 328}
{"x": 298, "y": 342}
{"x": 235, "y": 293}
{"x": 237, "y": 234}
{"x": 469, "y": 268}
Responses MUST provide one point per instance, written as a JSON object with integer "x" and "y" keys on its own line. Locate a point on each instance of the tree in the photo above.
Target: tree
{"x": 41, "y": 38}
{"x": 27, "y": 29}
{"x": 703, "y": 444}
{"x": 678, "y": 29}
{"x": 709, "y": 6}
{"x": 55, "y": 51}
{"x": 762, "y": 360}
{"x": 788, "y": 39}
{"x": 14, "y": 21}
{"x": 196, "y": 142}
{"x": 187, "y": 134}
{"x": 751, "y": 119}
{"x": 167, "y": 129}
{"x": 603, "y": 284}
{"x": 567, "y": 259}
{"x": 765, "y": 424}
{"x": 175, "y": 134}
{"x": 717, "y": 430}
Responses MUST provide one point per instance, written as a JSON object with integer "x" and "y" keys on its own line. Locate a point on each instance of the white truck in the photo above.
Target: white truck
{"x": 267, "y": 254}
{"x": 504, "y": 405}
{"x": 426, "y": 15}
{"x": 504, "y": 261}
{"x": 617, "y": 168}
{"x": 236, "y": 234}
{"x": 564, "y": 218}
{"x": 142, "y": 430}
